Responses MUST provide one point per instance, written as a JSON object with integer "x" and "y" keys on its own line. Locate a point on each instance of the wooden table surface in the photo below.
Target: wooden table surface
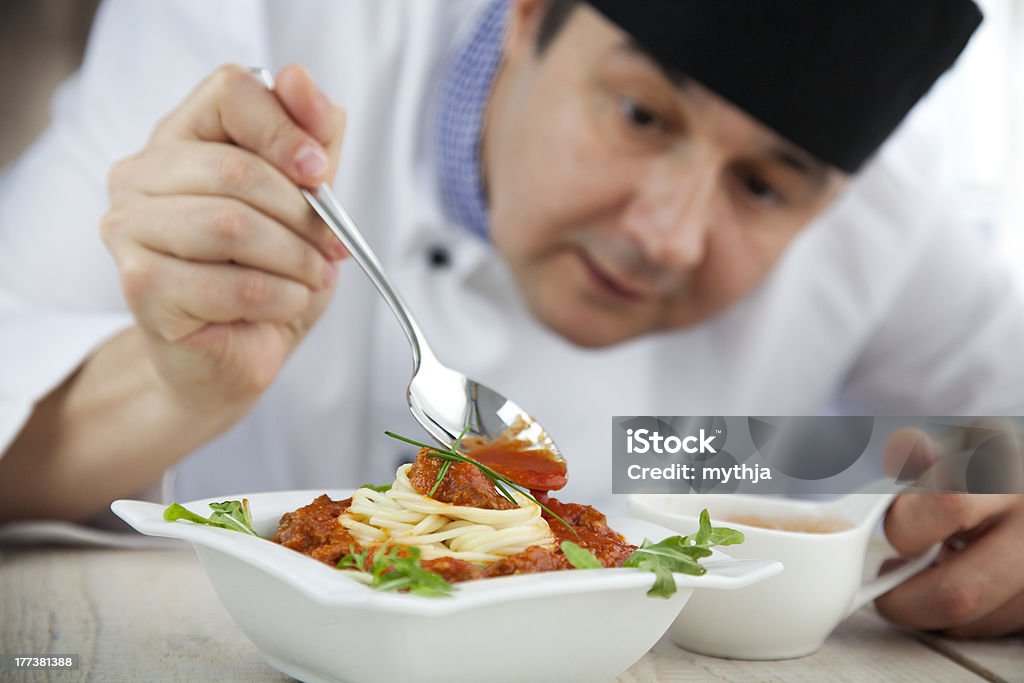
{"x": 151, "y": 615}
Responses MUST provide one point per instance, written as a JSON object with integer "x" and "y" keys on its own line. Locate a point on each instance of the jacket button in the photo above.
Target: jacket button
{"x": 438, "y": 256}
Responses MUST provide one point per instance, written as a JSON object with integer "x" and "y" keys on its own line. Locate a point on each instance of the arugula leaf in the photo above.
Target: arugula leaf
{"x": 175, "y": 511}
{"x": 664, "y": 584}
{"x": 379, "y": 488}
{"x": 680, "y": 554}
{"x": 704, "y": 532}
{"x": 581, "y": 558}
{"x": 396, "y": 568}
{"x": 356, "y": 559}
{"x": 231, "y": 514}
{"x": 709, "y": 536}
{"x": 663, "y": 566}
{"x": 725, "y": 536}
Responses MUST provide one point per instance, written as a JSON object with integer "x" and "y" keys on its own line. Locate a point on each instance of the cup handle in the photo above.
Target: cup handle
{"x": 885, "y": 583}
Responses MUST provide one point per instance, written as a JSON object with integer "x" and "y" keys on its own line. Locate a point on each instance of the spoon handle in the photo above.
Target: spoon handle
{"x": 345, "y": 229}
{"x": 327, "y": 205}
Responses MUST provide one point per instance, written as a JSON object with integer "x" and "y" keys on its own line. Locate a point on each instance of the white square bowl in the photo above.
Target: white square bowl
{"x": 314, "y": 623}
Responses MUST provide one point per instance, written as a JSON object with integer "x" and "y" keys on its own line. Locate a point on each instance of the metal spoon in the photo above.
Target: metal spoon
{"x": 443, "y": 400}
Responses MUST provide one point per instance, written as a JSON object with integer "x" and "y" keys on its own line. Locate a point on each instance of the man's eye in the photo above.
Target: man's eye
{"x": 760, "y": 190}
{"x": 639, "y": 115}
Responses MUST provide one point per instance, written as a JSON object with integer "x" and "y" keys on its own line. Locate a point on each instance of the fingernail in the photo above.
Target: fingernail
{"x": 338, "y": 251}
{"x": 311, "y": 161}
{"x": 330, "y": 275}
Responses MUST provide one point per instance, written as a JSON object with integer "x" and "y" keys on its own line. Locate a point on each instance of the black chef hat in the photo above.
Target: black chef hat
{"x": 833, "y": 76}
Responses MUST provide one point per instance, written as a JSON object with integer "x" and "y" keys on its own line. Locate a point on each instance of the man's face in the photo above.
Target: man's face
{"x": 625, "y": 203}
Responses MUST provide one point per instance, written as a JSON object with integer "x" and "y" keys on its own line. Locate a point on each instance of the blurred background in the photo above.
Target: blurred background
{"x": 41, "y": 42}
{"x": 975, "y": 113}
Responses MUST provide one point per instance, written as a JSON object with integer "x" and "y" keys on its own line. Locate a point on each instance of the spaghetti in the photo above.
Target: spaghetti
{"x": 403, "y": 516}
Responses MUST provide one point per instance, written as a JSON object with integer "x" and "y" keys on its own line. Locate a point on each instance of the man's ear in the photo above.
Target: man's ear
{"x": 524, "y": 17}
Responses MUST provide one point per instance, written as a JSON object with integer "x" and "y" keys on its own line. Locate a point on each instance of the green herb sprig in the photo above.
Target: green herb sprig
{"x": 500, "y": 481}
{"x": 391, "y": 571}
{"x": 231, "y": 514}
{"x": 447, "y": 463}
{"x": 680, "y": 554}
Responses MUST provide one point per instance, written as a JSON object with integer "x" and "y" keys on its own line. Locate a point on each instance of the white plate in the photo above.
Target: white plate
{"x": 315, "y": 623}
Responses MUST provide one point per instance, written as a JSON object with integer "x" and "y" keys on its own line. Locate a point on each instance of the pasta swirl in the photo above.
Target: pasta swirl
{"x": 404, "y": 516}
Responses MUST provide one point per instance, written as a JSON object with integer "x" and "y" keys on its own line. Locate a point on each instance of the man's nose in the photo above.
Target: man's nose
{"x": 671, "y": 212}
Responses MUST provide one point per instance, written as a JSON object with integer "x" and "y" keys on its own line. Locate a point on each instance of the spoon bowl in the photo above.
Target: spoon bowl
{"x": 445, "y": 402}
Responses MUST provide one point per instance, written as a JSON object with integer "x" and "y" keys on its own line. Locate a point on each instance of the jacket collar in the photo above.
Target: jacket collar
{"x": 462, "y": 103}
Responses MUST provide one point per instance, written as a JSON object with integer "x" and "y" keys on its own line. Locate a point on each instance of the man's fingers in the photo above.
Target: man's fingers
{"x": 909, "y": 452}
{"x": 317, "y": 303}
{"x": 968, "y": 585}
{"x": 1007, "y": 619}
{"x": 983, "y": 454}
{"x": 917, "y": 521}
{"x": 222, "y": 170}
{"x": 219, "y": 230}
{"x": 174, "y": 298}
{"x": 218, "y": 252}
{"x": 310, "y": 108}
{"x": 232, "y": 106}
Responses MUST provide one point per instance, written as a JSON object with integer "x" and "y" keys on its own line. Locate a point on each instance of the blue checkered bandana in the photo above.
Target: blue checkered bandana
{"x": 462, "y": 101}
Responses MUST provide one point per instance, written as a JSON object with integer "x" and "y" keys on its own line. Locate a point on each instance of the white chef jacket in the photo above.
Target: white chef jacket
{"x": 887, "y": 304}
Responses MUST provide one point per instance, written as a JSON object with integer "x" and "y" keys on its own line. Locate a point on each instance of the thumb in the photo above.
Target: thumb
{"x": 311, "y": 109}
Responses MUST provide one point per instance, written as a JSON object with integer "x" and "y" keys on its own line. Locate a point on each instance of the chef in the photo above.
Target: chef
{"x": 597, "y": 208}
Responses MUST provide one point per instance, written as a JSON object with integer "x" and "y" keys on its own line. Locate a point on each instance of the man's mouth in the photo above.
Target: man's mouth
{"x": 607, "y": 282}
